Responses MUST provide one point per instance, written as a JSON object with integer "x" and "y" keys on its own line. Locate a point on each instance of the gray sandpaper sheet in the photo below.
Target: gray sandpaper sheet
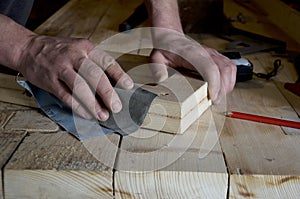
{"x": 136, "y": 103}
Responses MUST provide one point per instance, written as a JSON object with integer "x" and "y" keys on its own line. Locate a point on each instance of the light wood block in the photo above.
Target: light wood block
{"x": 172, "y": 124}
{"x": 9, "y": 142}
{"x": 182, "y": 98}
{"x": 59, "y": 166}
{"x": 158, "y": 165}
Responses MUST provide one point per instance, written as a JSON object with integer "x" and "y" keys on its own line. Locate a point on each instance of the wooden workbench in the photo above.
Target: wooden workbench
{"x": 222, "y": 158}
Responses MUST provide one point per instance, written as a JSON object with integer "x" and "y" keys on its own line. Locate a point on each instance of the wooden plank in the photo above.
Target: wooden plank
{"x": 31, "y": 121}
{"x": 9, "y": 142}
{"x": 17, "y": 97}
{"x": 264, "y": 186}
{"x": 77, "y": 18}
{"x": 12, "y": 92}
{"x": 12, "y": 107}
{"x": 157, "y": 165}
{"x": 59, "y": 166}
{"x": 116, "y": 14}
{"x": 288, "y": 19}
{"x": 253, "y": 148}
{"x": 264, "y": 63}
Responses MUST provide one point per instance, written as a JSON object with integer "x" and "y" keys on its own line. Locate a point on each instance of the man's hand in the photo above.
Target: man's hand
{"x": 173, "y": 49}
{"x": 216, "y": 69}
{"x": 71, "y": 70}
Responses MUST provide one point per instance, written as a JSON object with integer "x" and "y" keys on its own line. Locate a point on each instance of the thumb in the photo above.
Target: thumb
{"x": 158, "y": 68}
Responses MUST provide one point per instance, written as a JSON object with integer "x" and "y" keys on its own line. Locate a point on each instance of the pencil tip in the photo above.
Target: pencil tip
{"x": 228, "y": 113}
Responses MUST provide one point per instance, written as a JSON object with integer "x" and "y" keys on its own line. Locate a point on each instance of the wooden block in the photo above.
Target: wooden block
{"x": 181, "y": 98}
{"x": 58, "y": 166}
{"x": 172, "y": 124}
{"x": 9, "y": 142}
{"x": 158, "y": 165}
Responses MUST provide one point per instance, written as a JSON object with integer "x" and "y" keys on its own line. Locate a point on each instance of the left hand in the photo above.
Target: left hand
{"x": 175, "y": 50}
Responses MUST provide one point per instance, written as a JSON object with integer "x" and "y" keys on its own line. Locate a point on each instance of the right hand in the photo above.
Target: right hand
{"x": 74, "y": 71}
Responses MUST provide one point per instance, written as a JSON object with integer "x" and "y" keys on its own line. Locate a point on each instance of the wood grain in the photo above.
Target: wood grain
{"x": 156, "y": 165}
{"x": 9, "y": 142}
{"x": 59, "y": 166}
{"x": 287, "y": 20}
{"x": 77, "y": 18}
{"x": 12, "y": 92}
{"x": 31, "y": 121}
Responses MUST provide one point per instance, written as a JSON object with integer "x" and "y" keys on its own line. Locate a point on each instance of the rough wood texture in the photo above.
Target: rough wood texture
{"x": 156, "y": 165}
{"x": 59, "y": 166}
{"x": 12, "y": 92}
{"x": 9, "y": 142}
{"x": 32, "y": 121}
{"x": 253, "y": 148}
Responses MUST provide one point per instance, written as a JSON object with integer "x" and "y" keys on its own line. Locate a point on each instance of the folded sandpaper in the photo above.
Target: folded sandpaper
{"x": 136, "y": 103}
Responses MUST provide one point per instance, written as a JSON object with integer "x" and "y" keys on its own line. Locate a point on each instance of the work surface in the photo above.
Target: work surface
{"x": 216, "y": 157}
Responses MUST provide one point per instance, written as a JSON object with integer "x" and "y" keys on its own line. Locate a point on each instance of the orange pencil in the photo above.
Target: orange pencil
{"x": 262, "y": 119}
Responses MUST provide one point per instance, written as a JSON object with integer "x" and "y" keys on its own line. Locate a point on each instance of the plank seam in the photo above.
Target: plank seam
{"x": 115, "y": 164}
{"x": 8, "y": 159}
{"x": 8, "y": 119}
{"x": 228, "y": 174}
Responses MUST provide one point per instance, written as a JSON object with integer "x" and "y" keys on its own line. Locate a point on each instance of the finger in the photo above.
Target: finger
{"x": 159, "y": 70}
{"x": 199, "y": 58}
{"x": 82, "y": 92}
{"x": 62, "y": 92}
{"x": 111, "y": 68}
{"x": 97, "y": 79}
{"x": 227, "y": 70}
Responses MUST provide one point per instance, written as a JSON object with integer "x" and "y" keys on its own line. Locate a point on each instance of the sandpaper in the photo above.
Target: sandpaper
{"x": 136, "y": 103}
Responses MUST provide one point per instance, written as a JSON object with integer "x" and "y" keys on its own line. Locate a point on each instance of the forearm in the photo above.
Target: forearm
{"x": 164, "y": 14}
{"x": 13, "y": 40}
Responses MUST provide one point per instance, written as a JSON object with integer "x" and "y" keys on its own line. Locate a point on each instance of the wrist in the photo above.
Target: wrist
{"x": 164, "y": 14}
{"x": 13, "y": 41}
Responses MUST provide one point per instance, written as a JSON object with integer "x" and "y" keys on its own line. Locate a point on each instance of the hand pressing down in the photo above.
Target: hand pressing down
{"x": 173, "y": 49}
{"x": 70, "y": 69}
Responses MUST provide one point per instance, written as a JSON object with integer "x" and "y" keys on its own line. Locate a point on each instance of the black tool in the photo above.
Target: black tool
{"x": 244, "y": 66}
{"x": 138, "y": 16}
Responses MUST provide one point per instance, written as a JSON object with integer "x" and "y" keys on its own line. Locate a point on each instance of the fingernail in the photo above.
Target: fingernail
{"x": 116, "y": 106}
{"x": 102, "y": 115}
{"x": 128, "y": 83}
